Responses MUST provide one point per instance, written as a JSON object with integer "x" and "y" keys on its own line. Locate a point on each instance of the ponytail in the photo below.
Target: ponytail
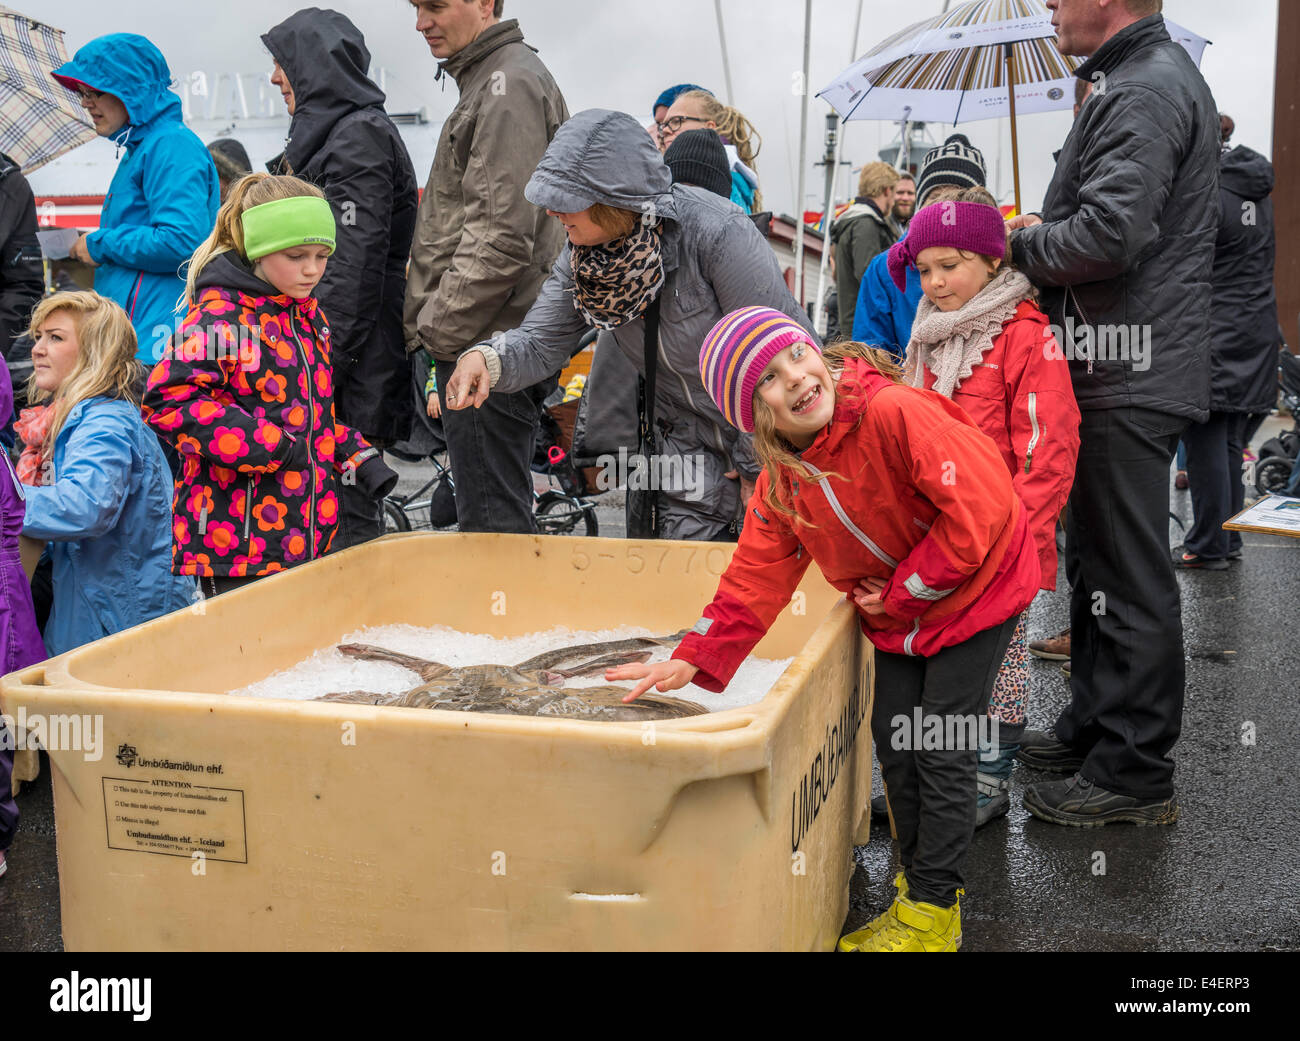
{"x": 734, "y": 129}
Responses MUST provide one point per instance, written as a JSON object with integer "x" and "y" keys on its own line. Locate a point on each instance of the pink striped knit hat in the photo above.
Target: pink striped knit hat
{"x": 735, "y": 353}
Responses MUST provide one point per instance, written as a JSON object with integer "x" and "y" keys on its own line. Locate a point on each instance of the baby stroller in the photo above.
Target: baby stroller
{"x": 560, "y": 509}
{"x": 1278, "y": 455}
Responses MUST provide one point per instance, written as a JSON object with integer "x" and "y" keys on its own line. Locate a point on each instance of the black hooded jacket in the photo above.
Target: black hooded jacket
{"x": 342, "y": 141}
{"x": 21, "y": 280}
{"x": 1243, "y": 319}
{"x": 1127, "y": 243}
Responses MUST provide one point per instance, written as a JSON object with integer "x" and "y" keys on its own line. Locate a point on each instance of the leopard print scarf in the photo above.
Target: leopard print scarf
{"x": 614, "y": 283}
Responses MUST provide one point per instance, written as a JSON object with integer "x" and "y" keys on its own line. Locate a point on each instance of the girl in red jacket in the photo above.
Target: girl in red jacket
{"x": 907, "y": 508}
{"x": 980, "y": 340}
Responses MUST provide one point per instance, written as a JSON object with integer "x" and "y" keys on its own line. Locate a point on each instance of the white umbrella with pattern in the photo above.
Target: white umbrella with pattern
{"x": 981, "y": 60}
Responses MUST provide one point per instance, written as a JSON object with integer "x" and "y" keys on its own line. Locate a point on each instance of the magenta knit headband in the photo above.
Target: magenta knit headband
{"x": 973, "y": 226}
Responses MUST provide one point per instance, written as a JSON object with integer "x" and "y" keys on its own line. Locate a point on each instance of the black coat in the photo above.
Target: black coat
{"x": 342, "y": 141}
{"x": 21, "y": 281}
{"x": 1129, "y": 224}
{"x": 1243, "y": 318}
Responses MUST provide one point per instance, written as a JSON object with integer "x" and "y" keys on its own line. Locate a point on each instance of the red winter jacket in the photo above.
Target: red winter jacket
{"x": 923, "y": 501}
{"x": 1022, "y": 397}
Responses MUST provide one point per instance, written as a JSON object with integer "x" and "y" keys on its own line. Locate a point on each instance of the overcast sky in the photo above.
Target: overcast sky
{"x": 620, "y": 54}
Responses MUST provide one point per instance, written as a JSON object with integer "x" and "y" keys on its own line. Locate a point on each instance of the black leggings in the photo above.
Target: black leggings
{"x": 932, "y": 790}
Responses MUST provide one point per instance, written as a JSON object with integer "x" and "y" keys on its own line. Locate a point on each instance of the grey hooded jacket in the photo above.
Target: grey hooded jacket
{"x": 715, "y": 261}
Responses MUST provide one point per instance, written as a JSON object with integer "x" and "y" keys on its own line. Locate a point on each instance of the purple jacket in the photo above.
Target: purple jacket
{"x": 20, "y": 640}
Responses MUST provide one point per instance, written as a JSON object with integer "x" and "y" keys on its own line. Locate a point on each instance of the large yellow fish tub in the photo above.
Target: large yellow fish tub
{"x": 213, "y": 822}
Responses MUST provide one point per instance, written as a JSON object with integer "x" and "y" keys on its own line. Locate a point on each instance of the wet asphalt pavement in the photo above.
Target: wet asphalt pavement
{"x": 1224, "y": 878}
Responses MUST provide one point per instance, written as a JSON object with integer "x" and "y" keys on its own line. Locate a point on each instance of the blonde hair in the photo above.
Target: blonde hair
{"x": 777, "y": 454}
{"x": 228, "y": 233}
{"x": 876, "y": 178}
{"x": 105, "y": 365}
{"x": 614, "y": 221}
{"x": 733, "y": 128}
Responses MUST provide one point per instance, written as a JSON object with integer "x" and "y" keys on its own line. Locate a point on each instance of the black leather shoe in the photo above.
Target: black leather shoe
{"x": 879, "y": 808}
{"x": 1043, "y": 750}
{"x": 1078, "y": 803}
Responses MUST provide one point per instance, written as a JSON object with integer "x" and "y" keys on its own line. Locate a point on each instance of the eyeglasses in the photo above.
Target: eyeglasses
{"x": 89, "y": 96}
{"x": 671, "y": 126}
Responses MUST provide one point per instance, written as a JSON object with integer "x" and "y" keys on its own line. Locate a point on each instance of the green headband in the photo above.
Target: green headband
{"x": 300, "y": 221}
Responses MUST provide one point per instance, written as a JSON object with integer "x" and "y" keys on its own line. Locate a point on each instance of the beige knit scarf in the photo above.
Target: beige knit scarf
{"x": 951, "y": 343}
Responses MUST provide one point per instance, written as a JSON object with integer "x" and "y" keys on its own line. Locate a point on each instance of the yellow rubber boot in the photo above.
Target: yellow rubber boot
{"x": 918, "y": 927}
{"x": 850, "y": 942}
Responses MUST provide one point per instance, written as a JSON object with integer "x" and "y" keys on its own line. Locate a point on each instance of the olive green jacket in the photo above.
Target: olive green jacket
{"x": 481, "y": 251}
{"x": 858, "y": 235}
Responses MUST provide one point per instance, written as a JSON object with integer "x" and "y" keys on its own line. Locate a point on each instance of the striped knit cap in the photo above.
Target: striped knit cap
{"x": 735, "y": 353}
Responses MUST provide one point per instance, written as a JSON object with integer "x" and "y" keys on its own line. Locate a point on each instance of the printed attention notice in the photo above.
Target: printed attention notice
{"x": 176, "y": 818}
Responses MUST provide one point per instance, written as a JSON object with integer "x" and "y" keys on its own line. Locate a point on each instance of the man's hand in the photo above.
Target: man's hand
{"x": 663, "y": 676}
{"x": 1025, "y": 220}
{"x": 78, "y": 251}
{"x": 469, "y": 383}
{"x": 866, "y": 594}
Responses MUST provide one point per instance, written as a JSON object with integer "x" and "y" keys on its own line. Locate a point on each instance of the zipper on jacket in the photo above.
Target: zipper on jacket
{"x": 907, "y": 644}
{"x": 1033, "y": 422}
{"x": 1092, "y": 340}
{"x": 311, "y": 449}
{"x": 248, "y": 507}
{"x": 854, "y": 530}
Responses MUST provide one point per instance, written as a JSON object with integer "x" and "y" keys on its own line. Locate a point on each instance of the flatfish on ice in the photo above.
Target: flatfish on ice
{"x": 527, "y": 689}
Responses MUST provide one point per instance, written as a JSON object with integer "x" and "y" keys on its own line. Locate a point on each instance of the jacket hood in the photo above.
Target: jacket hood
{"x": 606, "y": 157}
{"x": 858, "y": 209}
{"x": 229, "y": 271}
{"x": 326, "y": 58}
{"x": 130, "y": 68}
{"x": 1247, "y": 174}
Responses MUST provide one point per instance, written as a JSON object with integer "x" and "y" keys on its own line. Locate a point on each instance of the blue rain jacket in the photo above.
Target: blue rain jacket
{"x": 884, "y": 316}
{"x": 163, "y": 200}
{"x": 107, "y": 517}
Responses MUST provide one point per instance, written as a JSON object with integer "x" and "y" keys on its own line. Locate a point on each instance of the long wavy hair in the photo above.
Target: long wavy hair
{"x": 105, "y": 365}
{"x": 228, "y": 232}
{"x": 778, "y": 455}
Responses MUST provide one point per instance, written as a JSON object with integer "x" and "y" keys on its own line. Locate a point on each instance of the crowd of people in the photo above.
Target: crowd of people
{"x": 216, "y": 410}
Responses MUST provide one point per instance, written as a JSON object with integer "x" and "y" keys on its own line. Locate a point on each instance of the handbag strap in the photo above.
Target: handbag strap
{"x": 646, "y": 420}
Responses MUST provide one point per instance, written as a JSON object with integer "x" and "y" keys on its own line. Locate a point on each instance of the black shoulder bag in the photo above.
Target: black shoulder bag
{"x": 642, "y": 503}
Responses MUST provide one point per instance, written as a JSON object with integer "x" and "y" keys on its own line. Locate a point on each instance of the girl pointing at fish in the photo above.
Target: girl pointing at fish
{"x": 908, "y": 509}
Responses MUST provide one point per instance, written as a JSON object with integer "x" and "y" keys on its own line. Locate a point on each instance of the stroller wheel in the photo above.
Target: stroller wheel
{"x": 1272, "y": 475}
{"x": 558, "y": 514}
{"x": 395, "y": 518}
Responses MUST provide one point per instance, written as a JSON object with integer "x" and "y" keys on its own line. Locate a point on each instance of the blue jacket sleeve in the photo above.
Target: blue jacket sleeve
{"x": 89, "y": 492}
{"x": 178, "y": 180}
{"x": 871, "y": 320}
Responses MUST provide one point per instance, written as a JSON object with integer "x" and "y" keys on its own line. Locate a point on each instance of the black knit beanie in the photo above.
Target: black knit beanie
{"x": 956, "y": 162}
{"x": 697, "y": 157}
{"x": 230, "y": 158}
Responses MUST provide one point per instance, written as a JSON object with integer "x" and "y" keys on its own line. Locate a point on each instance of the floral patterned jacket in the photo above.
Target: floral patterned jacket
{"x": 245, "y": 393}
